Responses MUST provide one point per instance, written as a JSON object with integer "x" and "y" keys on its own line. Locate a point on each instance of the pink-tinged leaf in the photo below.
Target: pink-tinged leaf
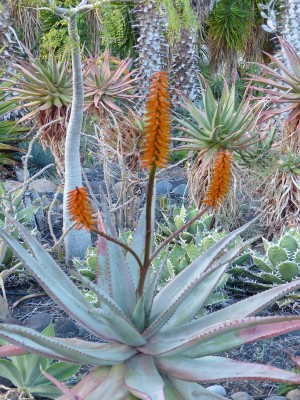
{"x": 142, "y": 378}
{"x": 103, "y": 386}
{"x": 219, "y": 337}
{"x": 69, "y": 393}
{"x": 220, "y": 369}
{"x": 88, "y": 383}
{"x": 10, "y": 350}
{"x": 192, "y": 390}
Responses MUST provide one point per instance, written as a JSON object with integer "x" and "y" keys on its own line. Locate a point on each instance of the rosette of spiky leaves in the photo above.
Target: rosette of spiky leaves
{"x": 219, "y": 124}
{"x": 279, "y": 264}
{"x": 108, "y": 85}
{"x": 281, "y": 86}
{"x": 150, "y": 347}
{"x": 46, "y": 89}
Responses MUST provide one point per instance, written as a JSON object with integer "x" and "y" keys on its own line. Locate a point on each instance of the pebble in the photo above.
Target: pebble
{"x": 293, "y": 394}
{"x": 217, "y": 389}
{"x": 164, "y": 187}
{"x": 241, "y": 396}
{"x": 180, "y": 190}
{"x": 276, "y": 398}
{"x": 39, "y": 321}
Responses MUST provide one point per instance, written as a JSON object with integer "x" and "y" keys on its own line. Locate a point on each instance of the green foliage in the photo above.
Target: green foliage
{"x": 230, "y": 23}
{"x": 180, "y": 15}
{"x": 289, "y": 162}
{"x": 12, "y": 202}
{"x": 189, "y": 245}
{"x": 284, "y": 388}
{"x": 26, "y": 372}
{"x": 279, "y": 264}
{"x": 117, "y": 32}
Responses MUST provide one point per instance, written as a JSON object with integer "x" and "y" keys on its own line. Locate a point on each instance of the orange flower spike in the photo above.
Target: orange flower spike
{"x": 80, "y": 209}
{"x": 220, "y": 182}
{"x": 156, "y": 141}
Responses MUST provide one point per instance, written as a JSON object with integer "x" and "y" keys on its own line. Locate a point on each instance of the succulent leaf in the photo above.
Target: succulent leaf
{"x": 289, "y": 243}
{"x": 288, "y": 270}
{"x": 277, "y": 255}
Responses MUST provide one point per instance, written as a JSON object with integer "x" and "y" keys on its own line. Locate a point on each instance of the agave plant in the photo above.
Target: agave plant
{"x": 46, "y": 89}
{"x": 107, "y": 81}
{"x": 219, "y": 126}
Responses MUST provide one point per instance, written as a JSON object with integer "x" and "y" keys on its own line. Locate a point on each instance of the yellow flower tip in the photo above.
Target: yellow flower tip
{"x": 80, "y": 209}
{"x": 220, "y": 182}
{"x": 157, "y": 135}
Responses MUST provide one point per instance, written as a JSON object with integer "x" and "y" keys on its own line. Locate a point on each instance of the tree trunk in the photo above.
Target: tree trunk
{"x": 76, "y": 241}
{"x": 291, "y": 23}
{"x": 153, "y": 47}
{"x": 185, "y": 68}
{"x": 12, "y": 49}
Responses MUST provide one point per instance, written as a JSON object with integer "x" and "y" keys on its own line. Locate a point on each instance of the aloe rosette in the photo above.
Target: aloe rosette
{"x": 152, "y": 347}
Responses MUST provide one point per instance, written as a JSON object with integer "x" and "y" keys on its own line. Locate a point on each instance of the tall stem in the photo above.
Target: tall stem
{"x": 76, "y": 242}
{"x": 148, "y": 233}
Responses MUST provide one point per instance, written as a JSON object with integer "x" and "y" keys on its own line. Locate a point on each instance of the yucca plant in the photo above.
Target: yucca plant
{"x": 214, "y": 133}
{"x": 107, "y": 84}
{"x": 151, "y": 346}
{"x": 46, "y": 89}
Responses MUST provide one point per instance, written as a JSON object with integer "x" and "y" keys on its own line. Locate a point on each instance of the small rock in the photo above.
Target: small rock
{"x": 180, "y": 190}
{"x": 276, "y": 398}
{"x": 217, "y": 389}
{"x": 241, "y": 396}
{"x": 65, "y": 327}
{"x": 293, "y": 394}
{"x": 42, "y": 186}
{"x": 164, "y": 187}
{"x": 39, "y": 321}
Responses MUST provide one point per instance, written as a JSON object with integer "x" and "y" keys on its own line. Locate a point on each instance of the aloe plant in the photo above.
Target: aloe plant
{"x": 26, "y": 371}
{"x": 151, "y": 346}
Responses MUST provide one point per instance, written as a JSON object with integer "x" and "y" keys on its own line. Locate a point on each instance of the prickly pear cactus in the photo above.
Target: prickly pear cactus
{"x": 280, "y": 263}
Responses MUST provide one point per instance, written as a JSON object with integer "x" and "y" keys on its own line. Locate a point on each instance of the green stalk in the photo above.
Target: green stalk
{"x": 148, "y": 236}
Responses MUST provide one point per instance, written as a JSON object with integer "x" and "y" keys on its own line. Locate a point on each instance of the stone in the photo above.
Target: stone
{"x": 180, "y": 190}
{"x": 39, "y": 321}
{"x": 293, "y": 394}
{"x": 241, "y": 396}
{"x": 217, "y": 389}
{"x": 276, "y": 398}
{"x": 65, "y": 327}
{"x": 42, "y": 185}
{"x": 164, "y": 187}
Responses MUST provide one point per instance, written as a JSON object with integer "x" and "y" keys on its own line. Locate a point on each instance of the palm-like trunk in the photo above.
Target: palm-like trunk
{"x": 7, "y": 39}
{"x": 291, "y": 23}
{"x": 153, "y": 48}
{"x": 185, "y": 67}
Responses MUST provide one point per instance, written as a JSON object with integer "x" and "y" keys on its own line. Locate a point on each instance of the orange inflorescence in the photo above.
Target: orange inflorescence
{"x": 80, "y": 209}
{"x": 156, "y": 141}
{"x": 220, "y": 182}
